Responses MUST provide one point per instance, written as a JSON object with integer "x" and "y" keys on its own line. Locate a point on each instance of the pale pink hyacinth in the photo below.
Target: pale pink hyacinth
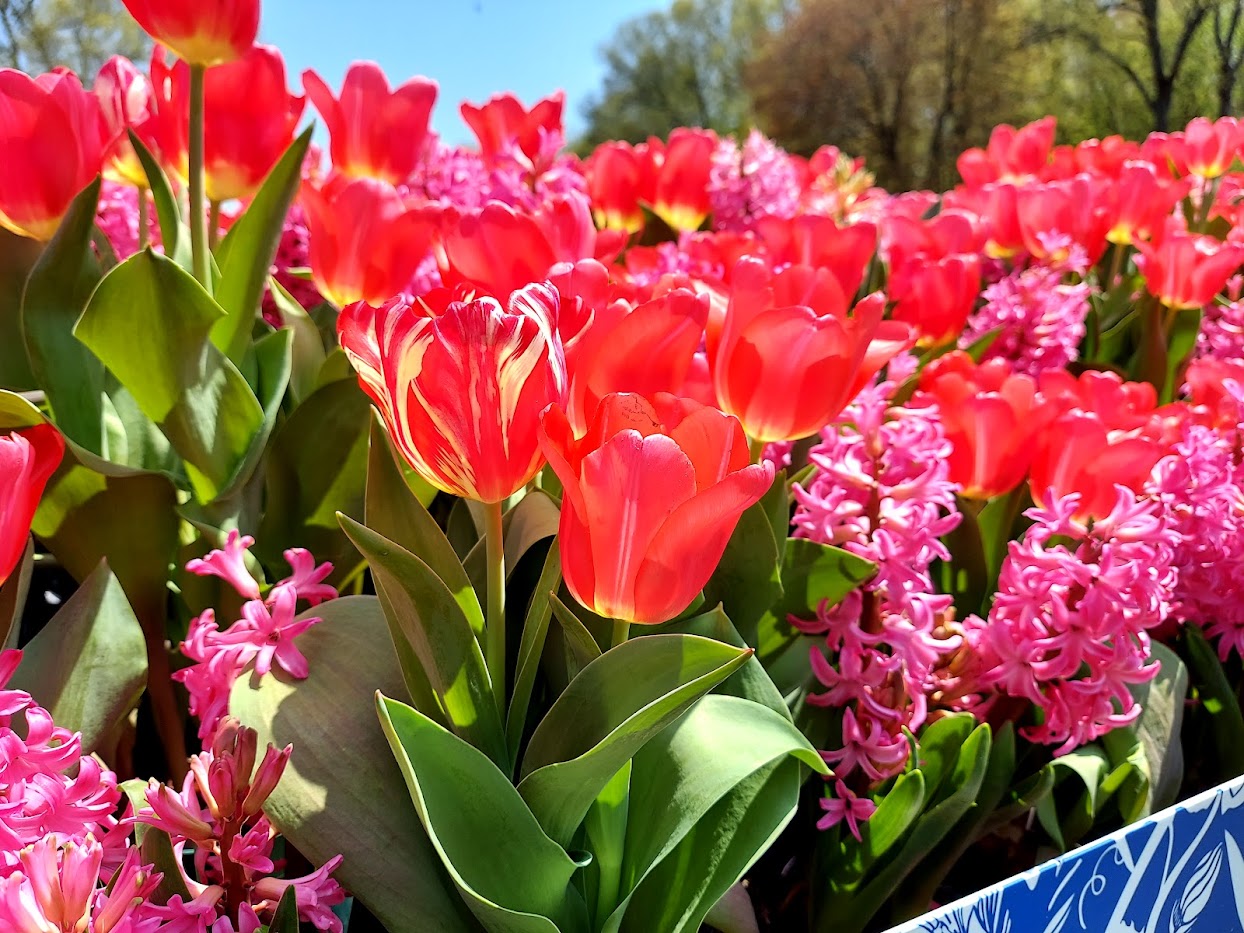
{"x": 752, "y": 181}
{"x": 881, "y": 491}
{"x": 1221, "y": 335}
{"x": 263, "y": 636}
{"x": 1039, "y": 319}
{"x": 293, "y": 258}
{"x": 1068, "y": 629}
{"x": 117, "y": 217}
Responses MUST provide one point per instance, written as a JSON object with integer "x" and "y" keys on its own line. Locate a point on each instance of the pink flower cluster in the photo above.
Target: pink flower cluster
{"x": 755, "y": 180}
{"x": 1068, "y": 629}
{"x": 265, "y": 633}
{"x": 1038, "y": 318}
{"x": 218, "y": 815}
{"x": 880, "y": 491}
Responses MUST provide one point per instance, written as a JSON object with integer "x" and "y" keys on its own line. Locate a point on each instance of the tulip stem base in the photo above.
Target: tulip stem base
{"x": 757, "y": 448}
{"x": 494, "y": 552}
{"x": 198, "y": 207}
{"x": 621, "y": 632}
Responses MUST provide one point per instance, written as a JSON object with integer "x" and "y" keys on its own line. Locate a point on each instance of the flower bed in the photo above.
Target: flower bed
{"x": 689, "y": 534}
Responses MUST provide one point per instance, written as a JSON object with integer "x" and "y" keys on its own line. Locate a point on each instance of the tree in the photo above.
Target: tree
{"x": 680, "y": 67}
{"x": 38, "y": 35}
{"x": 1229, "y": 44}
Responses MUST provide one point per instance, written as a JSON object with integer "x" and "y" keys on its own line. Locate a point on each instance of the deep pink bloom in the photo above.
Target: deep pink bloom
{"x": 316, "y": 894}
{"x": 845, "y": 805}
{"x": 267, "y": 630}
{"x": 229, "y": 564}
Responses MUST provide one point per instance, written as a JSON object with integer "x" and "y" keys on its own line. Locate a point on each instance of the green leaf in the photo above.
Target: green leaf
{"x": 18, "y": 255}
{"x": 747, "y": 581}
{"x": 751, "y": 681}
{"x": 394, "y": 511}
{"x": 361, "y": 811}
{"x": 607, "y": 714}
{"x": 246, "y": 253}
{"x": 579, "y": 640}
{"x": 57, "y": 290}
{"x": 533, "y": 519}
{"x": 426, "y": 615}
{"x": 938, "y": 749}
{"x": 13, "y": 597}
{"x": 174, "y": 234}
{"x": 148, "y": 321}
{"x": 1181, "y": 338}
{"x": 1218, "y": 699}
{"x": 157, "y": 851}
{"x": 88, "y": 667}
{"x": 535, "y": 628}
{"x": 285, "y": 917}
{"x": 1152, "y": 742}
{"x": 308, "y": 346}
{"x": 272, "y": 367}
{"x": 523, "y": 883}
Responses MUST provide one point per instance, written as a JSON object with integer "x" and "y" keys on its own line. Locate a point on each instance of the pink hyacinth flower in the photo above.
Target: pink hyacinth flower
{"x": 229, "y": 564}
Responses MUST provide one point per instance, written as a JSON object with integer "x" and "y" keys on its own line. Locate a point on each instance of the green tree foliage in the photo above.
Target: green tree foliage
{"x": 681, "y": 67}
{"x": 38, "y": 35}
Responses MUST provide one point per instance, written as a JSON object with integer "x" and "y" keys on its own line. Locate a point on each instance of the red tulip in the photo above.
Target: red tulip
{"x": 989, "y": 416}
{"x": 790, "y": 357}
{"x": 1187, "y": 271}
{"x": 374, "y": 132}
{"x": 28, "y": 458}
{"x": 1207, "y": 148}
{"x": 461, "y": 384}
{"x": 249, "y": 120}
{"x": 1056, "y": 216}
{"x": 201, "y": 32}
{"x": 1143, "y": 201}
{"x": 936, "y": 296}
{"x": 53, "y": 136}
{"x": 1012, "y": 155}
{"x": 365, "y": 243}
{"x": 128, "y": 102}
{"x": 619, "y": 177}
{"x": 653, "y": 492}
{"x": 507, "y": 129}
{"x": 816, "y": 241}
{"x": 680, "y": 194}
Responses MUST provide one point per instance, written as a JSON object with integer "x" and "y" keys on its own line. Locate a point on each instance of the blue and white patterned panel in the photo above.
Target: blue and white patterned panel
{"x": 1180, "y": 871}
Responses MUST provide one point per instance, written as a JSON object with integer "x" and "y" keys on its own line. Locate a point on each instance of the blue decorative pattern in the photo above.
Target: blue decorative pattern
{"x": 1180, "y": 871}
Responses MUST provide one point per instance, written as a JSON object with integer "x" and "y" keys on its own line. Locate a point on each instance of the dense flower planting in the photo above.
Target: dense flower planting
{"x": 701, "y": 513}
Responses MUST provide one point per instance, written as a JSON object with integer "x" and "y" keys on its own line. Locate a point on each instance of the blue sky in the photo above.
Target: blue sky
{"x": 473, "y": 48}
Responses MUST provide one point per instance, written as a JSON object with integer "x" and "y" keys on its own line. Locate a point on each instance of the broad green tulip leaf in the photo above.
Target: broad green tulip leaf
{"x": 308, "y": 346}
{"x": 607, "y": 714}
{"x": 306, "y": 489}
{"x": 1218, "y": 699}
{"x": 850, "y": 909}
{"x": 519, "y": 882}
{"x": 18, "y": 255}
{"x": 684, "y": 886}
{"x": 1156, "y": 735}
{"x": 246, "y": 253}
{"x": 426, "y": 615}
{"x": 747, "y": 581}
{"x": 355, "y": 805}
{"x": 680, "y": 776}
{"x": 157, "y": 851}
{"x": 1181, "y": 337}
{"x": 13, "y": 597}
{"x": 394, "y": 511}
{"x": 149, "y": 321}
{"x": 535, "y": 628}
{"x": 57, "y": 290}
{"x": 285, "y": 917}
{"x": 581, "y": 647}
{"x": 174, "y": 234}
{"x": 272, "y": 365}
{"x": 88, "y": 667}
{"x": 750, "y": 682}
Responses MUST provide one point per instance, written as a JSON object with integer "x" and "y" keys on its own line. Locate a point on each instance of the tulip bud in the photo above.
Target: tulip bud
{"x": 28, "y": 458}
{"x": 266, "y": 779}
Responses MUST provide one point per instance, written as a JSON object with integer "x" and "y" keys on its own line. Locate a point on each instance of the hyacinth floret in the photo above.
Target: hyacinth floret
{"x": 751, "y": 181}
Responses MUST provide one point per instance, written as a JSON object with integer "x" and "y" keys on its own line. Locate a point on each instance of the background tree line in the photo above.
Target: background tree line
{"x": 911, "y": 83}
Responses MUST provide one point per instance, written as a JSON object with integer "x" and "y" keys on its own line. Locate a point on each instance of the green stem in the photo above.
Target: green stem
{"x": 621, "y": 632}
{"x": 757, "y": 448}
{"x": 144, "y": 220}
{"x": 213, "y": 225}
{"x": 198, "y": 214}
{"x": 494, "y": 551}
{"x": 606, "y": 829}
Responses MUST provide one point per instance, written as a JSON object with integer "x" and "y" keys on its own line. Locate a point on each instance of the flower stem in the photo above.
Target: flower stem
{"x": 144, "y": 220}
{"x": 621, "y": 631}
{"x": 757, "y": 448}
{"x": 213, "y": 224}
{"x": 198, "y": 214}
{"x": 494, "y": 550}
